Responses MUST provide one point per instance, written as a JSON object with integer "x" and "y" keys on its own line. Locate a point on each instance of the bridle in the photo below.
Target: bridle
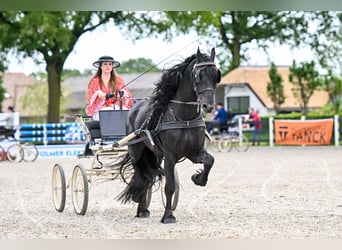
{"x": 195, "y": 74}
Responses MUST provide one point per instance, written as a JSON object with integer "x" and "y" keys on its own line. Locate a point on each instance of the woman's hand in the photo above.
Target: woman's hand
{"x": 108, "y": 96}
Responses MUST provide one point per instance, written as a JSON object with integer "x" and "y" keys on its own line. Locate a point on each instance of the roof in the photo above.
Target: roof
{"x": 257, "y": 78}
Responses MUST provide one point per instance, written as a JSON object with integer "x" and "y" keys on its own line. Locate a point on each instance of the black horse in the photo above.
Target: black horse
{"x": 171, "y": 122}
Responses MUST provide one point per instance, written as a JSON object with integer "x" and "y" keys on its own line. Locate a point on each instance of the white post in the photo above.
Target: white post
{"x": 270, "y": 131}
{"x": 240, "y": 125}
{"x": 336, "y": 130}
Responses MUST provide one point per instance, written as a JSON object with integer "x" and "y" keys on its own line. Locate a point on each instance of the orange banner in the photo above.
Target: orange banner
{"x": 303, "y": 132}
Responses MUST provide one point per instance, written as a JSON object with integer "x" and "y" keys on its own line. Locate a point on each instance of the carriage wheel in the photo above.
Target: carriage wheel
{"x": 174, "y": 202}
{"x": 15, "y": 153}
{"x": 242, "y": 143}
{"x": 225, "y": 144}
{"x": 58, "y": 187}
{"x": 2, "y": 153}
{"x": 214, "y": 144}
{"x": 30, "y": 151}
{"x": 79, "y": 190}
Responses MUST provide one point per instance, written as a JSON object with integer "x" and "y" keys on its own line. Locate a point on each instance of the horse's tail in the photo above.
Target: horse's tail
{"x": 147, "y": 171}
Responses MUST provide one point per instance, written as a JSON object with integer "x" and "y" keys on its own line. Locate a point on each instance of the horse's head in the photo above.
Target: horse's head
{"x": 205, "y": 76}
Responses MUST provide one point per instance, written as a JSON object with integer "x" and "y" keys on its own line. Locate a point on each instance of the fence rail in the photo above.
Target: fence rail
{"x": 51, "y": 132}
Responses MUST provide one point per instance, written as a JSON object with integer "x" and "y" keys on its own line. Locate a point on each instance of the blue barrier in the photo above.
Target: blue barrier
{"x": 52, "y": 132}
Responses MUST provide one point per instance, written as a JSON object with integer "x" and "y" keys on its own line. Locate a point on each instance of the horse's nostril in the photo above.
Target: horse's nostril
{"x": 207, "y": 108}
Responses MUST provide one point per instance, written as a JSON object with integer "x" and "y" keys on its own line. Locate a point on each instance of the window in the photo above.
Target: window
{"x": 239, "y": 104}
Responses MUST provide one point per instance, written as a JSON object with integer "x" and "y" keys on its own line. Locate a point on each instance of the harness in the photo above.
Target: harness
{"x": 176, "y": 122}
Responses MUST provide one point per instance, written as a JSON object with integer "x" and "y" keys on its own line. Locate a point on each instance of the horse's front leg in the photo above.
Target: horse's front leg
{"x": 170, "y": 187}
{"x": 201, "y": 177}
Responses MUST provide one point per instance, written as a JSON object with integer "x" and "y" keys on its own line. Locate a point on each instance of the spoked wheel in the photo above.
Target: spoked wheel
{"x": 58, "y": 187}
{"x": 30, "y": 151}
{"x": 79, "y": 190}
{"x": 214, "y": 144}
{"x": 175, "y": 197}
{"x": 242, "y": 143}
{"x": 2, "y": 154}
{"x": 225, "y": 144}
{"x": 15, "y": 153}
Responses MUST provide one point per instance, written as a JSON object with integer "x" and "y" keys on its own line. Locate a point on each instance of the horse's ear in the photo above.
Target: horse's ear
{"x": 198, "y": 54}
{"x": 212, "y": 54}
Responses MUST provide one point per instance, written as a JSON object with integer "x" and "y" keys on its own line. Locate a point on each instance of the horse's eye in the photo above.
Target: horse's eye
{"x": 218, "y": 75}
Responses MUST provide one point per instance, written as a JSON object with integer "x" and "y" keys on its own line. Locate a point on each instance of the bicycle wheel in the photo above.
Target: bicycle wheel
{"x": 79, "y": 190}
{"x": 30, "y": 151}
{"x": 15, "y": 153}
{"x": 58, "y": 187}
{"x": 225, "y": 144}
{"x": 242, "y": 143}
{"x": 2, "y": 153}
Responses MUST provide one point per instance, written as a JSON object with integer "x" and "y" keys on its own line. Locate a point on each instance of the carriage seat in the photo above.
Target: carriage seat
{"x": 94, "y": 129}
{"x": 113, "y": 124}
{"x": 110, "y": 127}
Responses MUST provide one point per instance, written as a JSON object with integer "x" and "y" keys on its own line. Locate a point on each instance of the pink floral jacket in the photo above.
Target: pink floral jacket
{"x": 95, "y": 104}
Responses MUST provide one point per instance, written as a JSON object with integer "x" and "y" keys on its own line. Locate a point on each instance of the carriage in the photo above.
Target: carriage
{"x": 13, "y": 149}
{"x": 142, "y": 146}
{"x": 106, "y": 147}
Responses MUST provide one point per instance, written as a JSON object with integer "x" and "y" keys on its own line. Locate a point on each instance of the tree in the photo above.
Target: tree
{"x": 35, "y": 101}
{"x": 233, "y": 31}
{"x": 2, "y": 89}
{"x": 138, "y": 65}
{"x": 51, "y": 36}
{"x": 324, "y": 36}
{"x": 333, "y": 85}
{"x": 306, "y": 80}
{"x": 275, "y": 88}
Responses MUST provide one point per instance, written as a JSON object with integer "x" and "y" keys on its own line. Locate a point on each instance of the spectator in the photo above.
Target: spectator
{"x": 257, "y": 128}
{"x": 9, "y": 119}
{"x": 220, "y": 117}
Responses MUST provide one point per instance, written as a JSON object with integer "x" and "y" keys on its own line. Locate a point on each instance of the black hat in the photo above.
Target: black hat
{"x": 106, "y": 59}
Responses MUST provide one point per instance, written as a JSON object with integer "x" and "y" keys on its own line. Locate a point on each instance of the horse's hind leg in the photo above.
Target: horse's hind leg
{"x": 142, "y": 211}
{"x": 201, "y": 177}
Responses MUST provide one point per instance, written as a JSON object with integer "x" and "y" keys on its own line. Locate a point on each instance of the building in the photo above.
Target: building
{"x": 245, "y": 87}
{"x": 16, "y": 86}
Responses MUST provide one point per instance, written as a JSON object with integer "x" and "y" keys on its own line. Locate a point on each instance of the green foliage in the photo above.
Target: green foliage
{"x": 35, "y": 100}
{"x": 275, "y": 88}
{"x": 67, "y": 73}
{"x": 306, "y": 80}
{"x": 333, "y": 84}
{"x": 2, "y": 89}
{"x": 137, "y": 65}
{"x": 233, "y": 31}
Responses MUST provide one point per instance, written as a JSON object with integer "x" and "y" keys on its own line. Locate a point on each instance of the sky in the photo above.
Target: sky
{"x": 109, "y": 41}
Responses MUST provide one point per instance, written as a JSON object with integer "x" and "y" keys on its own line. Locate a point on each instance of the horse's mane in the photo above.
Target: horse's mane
{"x": 166, "y": 89}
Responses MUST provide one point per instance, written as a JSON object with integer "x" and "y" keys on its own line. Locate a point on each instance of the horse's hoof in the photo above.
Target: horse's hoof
{"x": 197, "y": 180}
{"x": 168, "y": 220}
{"x": 143, "y": 214}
